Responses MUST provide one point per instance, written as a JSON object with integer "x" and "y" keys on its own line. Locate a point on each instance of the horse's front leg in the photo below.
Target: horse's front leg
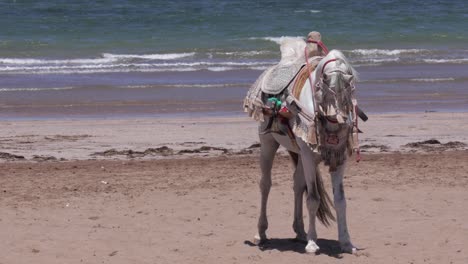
{"x": 309, "y": 164}
{"x": 268, "y": 148}
{"x": 340, "y": 206}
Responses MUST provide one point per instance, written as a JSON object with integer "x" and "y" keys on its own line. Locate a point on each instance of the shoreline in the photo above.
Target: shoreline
{"x": 156, "y": 138}
{"x": 183, "y": 114}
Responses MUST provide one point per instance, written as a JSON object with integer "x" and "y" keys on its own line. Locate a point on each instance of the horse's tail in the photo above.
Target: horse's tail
{"x": 324, "y": 213}
{"x": 294, "y": 158}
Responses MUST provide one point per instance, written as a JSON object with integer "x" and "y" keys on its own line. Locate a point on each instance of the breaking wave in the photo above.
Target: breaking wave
{"x": 313, "y": 11}
{"x": 106, "y": 58}
{"x": 433, "y": 79}
{"x": 215, "y": 61}
{"x": 454, "y": 61}
{"x": 35, "y": 89}
{"x": 277, "y": 40}
{"x": 406, "y": 56}
{"x": 371, "y": 52}
{"x": 416, "y": 80}
{"x": 169, "y": 56}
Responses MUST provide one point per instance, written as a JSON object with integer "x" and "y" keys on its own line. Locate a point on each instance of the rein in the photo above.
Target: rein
{"x": 358, "y": 148}
{"x": 325, "y": 50}
{"x": 319, "y": 43}
{"x": 325, "y": 64}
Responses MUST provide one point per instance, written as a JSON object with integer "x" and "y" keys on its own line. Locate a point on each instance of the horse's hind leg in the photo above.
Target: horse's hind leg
{"x": 340, "y": 206}
{"x": 268, "y": 148}
{"x": 299, "y": 188}
{"x": 309, "y": 164}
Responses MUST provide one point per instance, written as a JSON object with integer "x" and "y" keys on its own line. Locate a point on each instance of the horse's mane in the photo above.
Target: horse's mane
{"x": 344, "y": 65}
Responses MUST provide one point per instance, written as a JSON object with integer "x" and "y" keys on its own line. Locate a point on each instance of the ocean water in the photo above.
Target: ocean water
{"x": 61, "y": 59}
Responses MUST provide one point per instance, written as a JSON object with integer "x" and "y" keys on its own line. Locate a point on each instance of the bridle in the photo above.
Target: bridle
{"x": 318, "y": 87}
{"x": 321, "y": 85}
{"x": 320, "y": 44}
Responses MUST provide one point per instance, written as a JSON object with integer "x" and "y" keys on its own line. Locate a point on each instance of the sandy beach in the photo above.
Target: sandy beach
{"x": 185, "y": 191}
{"x": 123, "y": 138}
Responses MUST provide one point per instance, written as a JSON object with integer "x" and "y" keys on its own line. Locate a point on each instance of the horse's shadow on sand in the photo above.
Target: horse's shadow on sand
{"x": 327, "y": 247}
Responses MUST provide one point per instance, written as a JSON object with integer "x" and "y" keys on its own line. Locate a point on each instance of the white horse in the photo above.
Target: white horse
{"x": 332, "y": 109}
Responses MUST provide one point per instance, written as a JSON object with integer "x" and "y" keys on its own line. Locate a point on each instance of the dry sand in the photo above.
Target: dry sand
{"x": 185, "y": 191}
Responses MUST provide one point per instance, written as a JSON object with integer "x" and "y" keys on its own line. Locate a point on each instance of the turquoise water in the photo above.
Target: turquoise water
{"x": 75, "y": 52}
{"x": 90, "y": 28}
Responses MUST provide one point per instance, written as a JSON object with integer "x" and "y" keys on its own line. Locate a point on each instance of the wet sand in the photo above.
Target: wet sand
{"x": 185, "y": 191}
{"x": 177, "y": 137}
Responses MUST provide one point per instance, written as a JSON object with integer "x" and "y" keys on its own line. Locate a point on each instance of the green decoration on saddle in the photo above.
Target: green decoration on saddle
{"x": 274, "y": 102}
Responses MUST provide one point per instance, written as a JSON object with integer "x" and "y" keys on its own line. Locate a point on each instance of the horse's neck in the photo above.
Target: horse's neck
{"x": 306, "y": 97}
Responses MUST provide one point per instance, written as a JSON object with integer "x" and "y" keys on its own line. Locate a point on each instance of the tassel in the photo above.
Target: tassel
{"x": 355, "y": 139}
{"x": 312, "y": 136}
{"x": 340, "y": 119}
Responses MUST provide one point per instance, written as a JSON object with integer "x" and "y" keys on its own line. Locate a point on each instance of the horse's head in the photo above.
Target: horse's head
{"x": 335, "y": 88}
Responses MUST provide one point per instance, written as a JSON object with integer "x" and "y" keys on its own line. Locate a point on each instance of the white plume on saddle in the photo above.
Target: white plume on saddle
{"x": 292, "y": 50}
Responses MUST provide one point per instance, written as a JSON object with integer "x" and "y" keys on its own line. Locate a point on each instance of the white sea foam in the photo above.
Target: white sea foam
{"x": 433, "y": 79}
{"x": 245, "y": 53}
{"x": 220, "y": 69}
{"x": 261, "y": 68}
{"x": 379, "y": 60}
{"x": 106, "y": 59}
{"x": 212, "y": 85}
{"x": 131, "y": 67}
{"x": 456, "y": 61}
{"x": 404, "y": 80}
{"x": 35, "y": 89}
{"x": 127, "y": 70}
{"x": 313, "y": 11}
{"x": 277, "y": 40}
{"x": 109, "y": 62}
{"x": 168, "y": 56}
{"x": 17, "y": 61}
{"x": 194, "y": 85}
{"x": 371, "y": 52}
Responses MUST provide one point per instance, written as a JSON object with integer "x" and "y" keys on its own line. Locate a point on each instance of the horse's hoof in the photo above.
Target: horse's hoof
{"x": 348, "y": 248}
{"x": 258, "y": 240}
{"x": 312, "y": 247}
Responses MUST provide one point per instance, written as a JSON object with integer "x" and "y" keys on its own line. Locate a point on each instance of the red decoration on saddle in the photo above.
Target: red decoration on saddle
{"x": 284, "y": 109}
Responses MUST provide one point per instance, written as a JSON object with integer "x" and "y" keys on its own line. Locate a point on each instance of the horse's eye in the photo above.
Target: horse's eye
{"x": 325, "y": 76}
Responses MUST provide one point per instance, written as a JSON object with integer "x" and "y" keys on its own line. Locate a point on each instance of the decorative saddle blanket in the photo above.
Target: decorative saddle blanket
{"x": 277, "y": 78}
{"x": 268, "y": 84}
